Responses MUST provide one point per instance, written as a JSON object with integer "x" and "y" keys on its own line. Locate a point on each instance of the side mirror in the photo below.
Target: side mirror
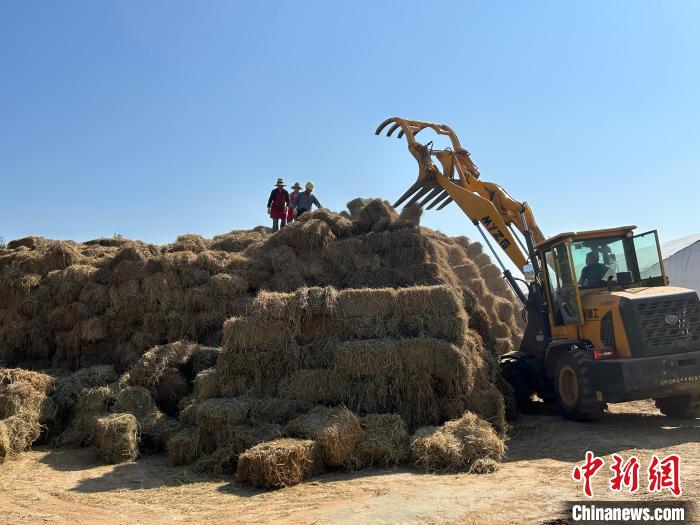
{"x": 529, "y": 273}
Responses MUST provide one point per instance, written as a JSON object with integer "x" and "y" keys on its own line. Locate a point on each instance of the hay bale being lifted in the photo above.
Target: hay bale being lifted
{"x": 336, "y": 431}
{"x": 279, "y": 463}
{"x": 117, "y": 438}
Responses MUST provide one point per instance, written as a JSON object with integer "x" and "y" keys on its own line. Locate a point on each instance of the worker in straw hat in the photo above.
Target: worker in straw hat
{"x": 306, "y": 199}
{"x": 277, "y": 205}
{"x": 292, "y": 210}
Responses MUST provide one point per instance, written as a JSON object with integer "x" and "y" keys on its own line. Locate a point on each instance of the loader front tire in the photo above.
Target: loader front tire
{"x": 682, "y": 407}
{"x": 574, "y": 387}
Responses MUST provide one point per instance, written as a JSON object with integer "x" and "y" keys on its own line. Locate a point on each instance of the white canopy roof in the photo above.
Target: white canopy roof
{"x": 682, "y": 261}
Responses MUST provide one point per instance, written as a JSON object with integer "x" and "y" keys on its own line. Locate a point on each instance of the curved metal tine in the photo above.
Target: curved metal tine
{"x": 410, "y": 191}
{"x": 438, "y": 199}
{"x": 420, "y": 194}
{"x": 383, "y": 125}
{"x": 429, "y": 197}
{"x": 445, "y": 203}
{"x": 392, "y": 129}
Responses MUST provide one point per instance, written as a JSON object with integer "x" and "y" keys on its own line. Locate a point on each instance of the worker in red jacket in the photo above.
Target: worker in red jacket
{"x": 277, "y": 205}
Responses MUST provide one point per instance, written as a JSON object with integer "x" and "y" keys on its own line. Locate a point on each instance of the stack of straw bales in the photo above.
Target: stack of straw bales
{"x": 341, "y": 335}
{"x": 107, "y": 301}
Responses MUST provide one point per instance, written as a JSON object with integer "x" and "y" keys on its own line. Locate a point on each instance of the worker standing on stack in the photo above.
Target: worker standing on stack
{"x": 278, "y": 204}
{"x": 306, "y": 199}
{"x": 292, "y": 211}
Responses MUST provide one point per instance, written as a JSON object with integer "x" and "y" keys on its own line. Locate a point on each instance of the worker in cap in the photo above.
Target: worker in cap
{"x": 292, "y": 210}
{"x": 306, "y": 199}
{"x": 277, "y": 205}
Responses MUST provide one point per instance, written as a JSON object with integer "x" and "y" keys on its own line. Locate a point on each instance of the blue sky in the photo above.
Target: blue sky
{"x": 152, "y": 119}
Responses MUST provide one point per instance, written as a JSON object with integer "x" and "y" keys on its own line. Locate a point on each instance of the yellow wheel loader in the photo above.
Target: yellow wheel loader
{"x": 603, "y": 324}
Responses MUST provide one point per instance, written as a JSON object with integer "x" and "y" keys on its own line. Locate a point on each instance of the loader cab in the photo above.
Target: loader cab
{"x": 576, "y": 264}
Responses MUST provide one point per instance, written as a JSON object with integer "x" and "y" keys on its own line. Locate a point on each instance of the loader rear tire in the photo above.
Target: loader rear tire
{"x": 683, "y": 407}
{"x": 574, "y": 386}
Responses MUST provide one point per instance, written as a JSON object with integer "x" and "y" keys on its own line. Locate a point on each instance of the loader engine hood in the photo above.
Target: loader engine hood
{"x": 660, "y": 320}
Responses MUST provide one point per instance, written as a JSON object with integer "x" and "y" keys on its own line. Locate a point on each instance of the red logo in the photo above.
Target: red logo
{"x": 663, "y": 474}
{"x": 587, "y": 471}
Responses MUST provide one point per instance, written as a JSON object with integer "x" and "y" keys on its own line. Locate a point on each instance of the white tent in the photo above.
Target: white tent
{"x": 682, "y": 261}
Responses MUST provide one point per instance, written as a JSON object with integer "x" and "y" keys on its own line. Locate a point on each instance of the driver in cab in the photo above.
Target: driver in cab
{"x": 594, "y": 271}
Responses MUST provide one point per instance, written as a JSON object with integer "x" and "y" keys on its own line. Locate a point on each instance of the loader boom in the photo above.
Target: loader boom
{"x": 485, "y": 203}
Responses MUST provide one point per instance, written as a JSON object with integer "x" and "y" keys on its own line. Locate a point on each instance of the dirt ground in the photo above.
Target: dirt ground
{"x": 45, "y": 486}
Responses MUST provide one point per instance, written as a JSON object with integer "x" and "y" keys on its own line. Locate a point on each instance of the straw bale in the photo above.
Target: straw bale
{"x": 236, "y": 241}
{"x": 116, "y": 438}
{"x": 183, "y": 448}
{"x": 241, "y": 333}
{"x": 491, "y": 272}
{"x": 365, "y": 302}
{"x": 93, "y": 330}
{"x": 188, "y": 411}
{"x": 69, "y": 388}
{"x": 148, "y": 370}
{"x": 278, "y": 463}
{"x": 138, "y": 401}
{"x": 22, "y": 431}
{"x": 206, "y": 385}
{"x": 275, "y": 409}
{"x": 456, "y": 445}
{"x": 411, "y": 214}
{"x": 307, "y": 235}
{"x": 384, "y": 442}
{"x": 157, "y": 431}
{"x": 216, "y": 419}
{"x": 189, "y": 242}
{"x": 482, "y": 260}
{"x": 316, "y": 386}
{"x": 32, "y": 242}
{"x": 432, "y": 311}
{"x": 336, "y": 431}
{"x": 376, "y": 215}
{"x": 467, "y": 271}
{"x": 376, "y": 357}
{"x": 340, "y": 226}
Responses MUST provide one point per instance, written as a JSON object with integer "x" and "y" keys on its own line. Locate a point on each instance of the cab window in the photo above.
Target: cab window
{"x": 562, "y": 286}
{"x": 598, "y": 262}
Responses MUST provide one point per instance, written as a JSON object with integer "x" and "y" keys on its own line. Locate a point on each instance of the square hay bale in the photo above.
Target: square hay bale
{"x": 384, "y": 442}
{"x": 316, "y": 386}
{"x": 216, "y": 419}
{"x": 138, "y": 401}
{"x": 183, "y": 448}
{"x": 279, "y": 463}
{"x": 375, "y": 303}
{"x": 456, "y": 446}
{"x": 22, "y": 431}
{"x": 206, "y": 385}
{"x": 243, "y": 333}
{"x": 430, "y": 311}
{"x": 308, "y": 235}
{"x": 276, "y": 409}
{"x": 70, "y": 387}
{"x": 374, "y": 357}
{"x": 336, "y": 430}
{"x": 117, "y": 438}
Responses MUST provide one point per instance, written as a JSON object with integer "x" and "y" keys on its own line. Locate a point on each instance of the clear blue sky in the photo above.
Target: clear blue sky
{"x": 157, "y": 118}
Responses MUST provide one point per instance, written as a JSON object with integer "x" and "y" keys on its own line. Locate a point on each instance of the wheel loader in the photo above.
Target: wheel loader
{"x": 603, "y": 324}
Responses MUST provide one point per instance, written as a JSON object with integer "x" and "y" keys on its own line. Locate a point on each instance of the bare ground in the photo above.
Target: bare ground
{"x": 45, "y": 486}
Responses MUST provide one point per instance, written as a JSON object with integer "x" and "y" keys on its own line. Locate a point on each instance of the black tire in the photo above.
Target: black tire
{"x": 518, "y": 378}
{"x": 685, "y": 406}
{"x": 574, "y": 388}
